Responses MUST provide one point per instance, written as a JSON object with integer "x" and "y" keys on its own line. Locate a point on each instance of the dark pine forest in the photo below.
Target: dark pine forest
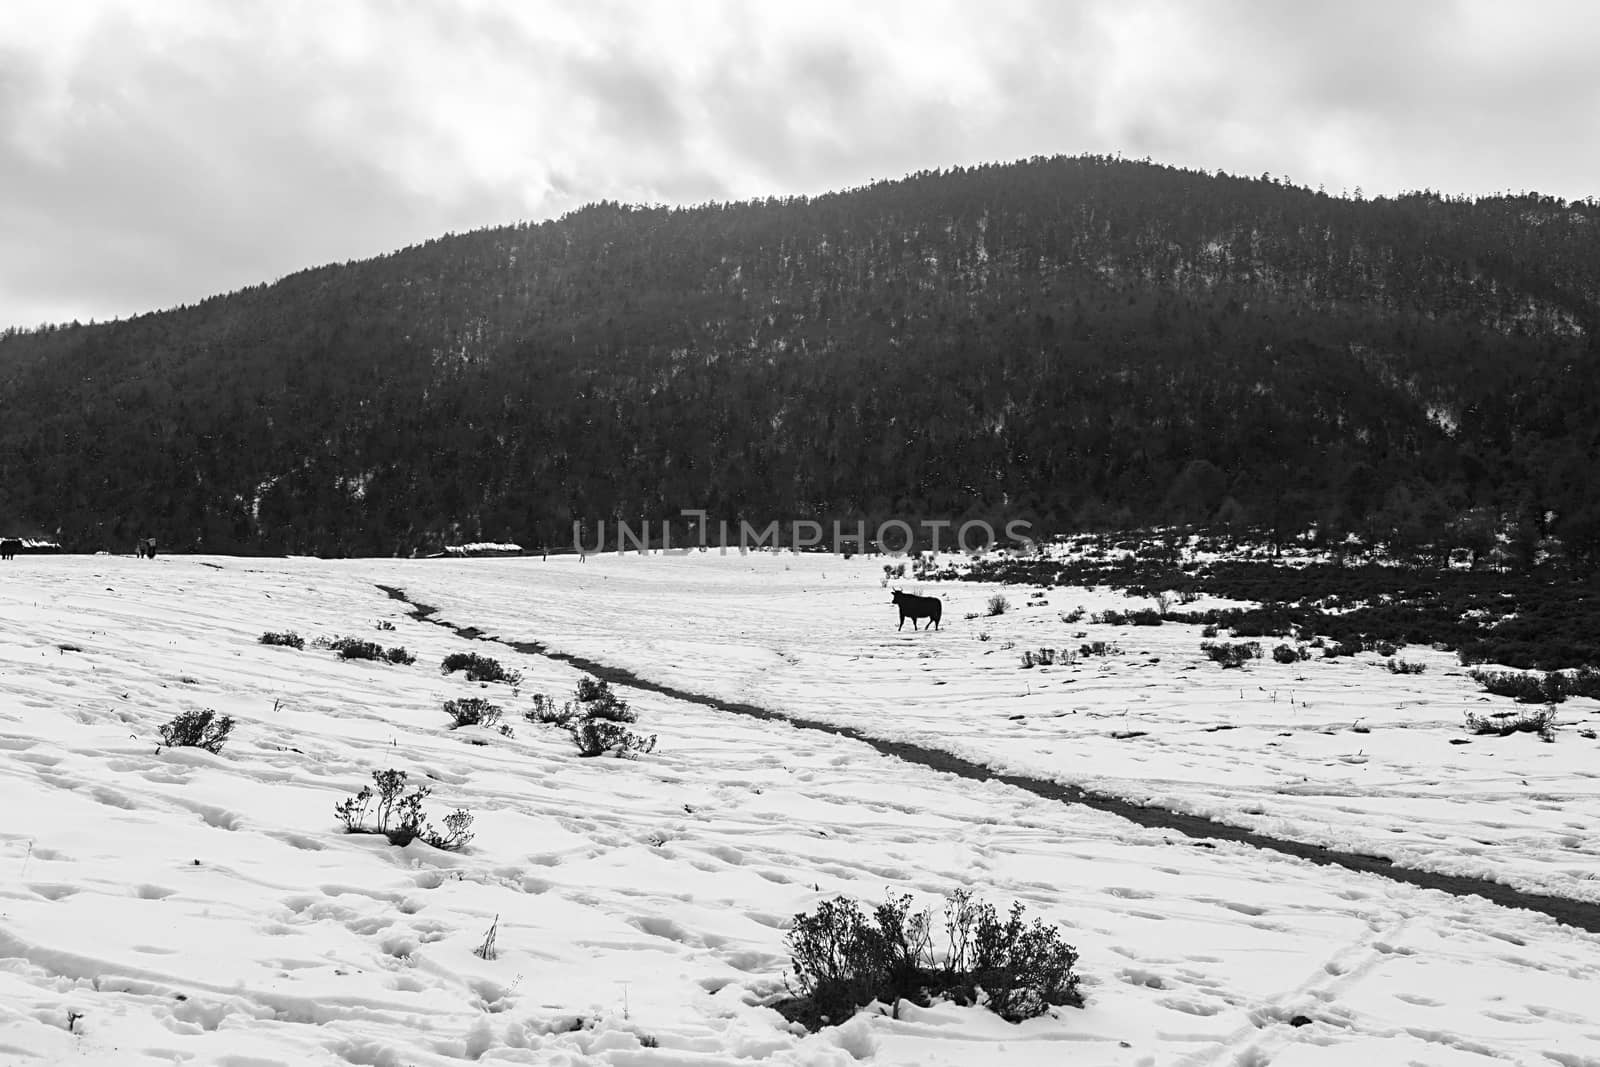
{"x": 1082, "y": 342}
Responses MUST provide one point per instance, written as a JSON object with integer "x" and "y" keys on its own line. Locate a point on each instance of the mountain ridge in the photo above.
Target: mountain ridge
{"x": 1077, "y": 340}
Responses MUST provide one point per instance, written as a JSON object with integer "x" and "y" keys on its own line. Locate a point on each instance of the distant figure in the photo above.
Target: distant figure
{"x": 9, "y": 547}
{"x": 917, "y": 607}
{"x": 145, "y": 548}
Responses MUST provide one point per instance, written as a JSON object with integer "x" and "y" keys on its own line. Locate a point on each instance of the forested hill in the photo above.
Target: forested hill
{"x": 1078, "y": 341}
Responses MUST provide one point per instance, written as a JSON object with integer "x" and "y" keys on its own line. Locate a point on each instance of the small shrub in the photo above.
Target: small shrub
{"x": 1144, "y": 617}
{"x": 1099, "y": 648}
{"x": 596, "y": 737}
{"x": 597, "y": 701}
{"x": 1231, "y": 654}
{"x": 287, "y": 639}
{"x": 457, "y": 832}
{"x": 1506, "y": 723}
{"x": 1285, "y": 654}
{"x": 399, "y": 814}
{"x": 998, "y": 604}
{"x": 1405, "y": 666}
{"x": 1073, "y": 616}
{"x": 547, "y": 713}
{"x": 844, "y": 959}
{"x": 1209, "y": 631}
{"x": 198, "y": 729}
{"x": 1341, "y": 648}
{"x": 597, "y": 720}
{"x": 471, "y": 711}
{"x": 356, "y": 648}
{"x": 985, "y": 636}
{"x": 399, "y": 655}
{"x": 1526, "y": 688}
{"x": 1044, "y": 657}
{"x": 479, "y": 668}
{"x": 1109, "y": 618}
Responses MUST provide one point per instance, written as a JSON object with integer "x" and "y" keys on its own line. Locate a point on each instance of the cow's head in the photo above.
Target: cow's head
{"x": 896, "y": 596}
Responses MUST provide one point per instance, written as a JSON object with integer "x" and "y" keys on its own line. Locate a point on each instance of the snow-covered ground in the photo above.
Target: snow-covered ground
{"x": 1336, "y": 752}
{"x": 177, "y": 907}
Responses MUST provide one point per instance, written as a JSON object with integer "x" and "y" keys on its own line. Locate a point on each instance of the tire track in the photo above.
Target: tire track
{"x": 1580, "y": 914}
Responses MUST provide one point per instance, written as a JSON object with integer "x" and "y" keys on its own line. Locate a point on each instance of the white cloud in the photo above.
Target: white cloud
{"x": 152, "y": 154}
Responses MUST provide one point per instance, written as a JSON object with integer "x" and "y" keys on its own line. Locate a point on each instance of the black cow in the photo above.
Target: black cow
{"x": 9, "y": 547}
{"x": 917, "y": 607}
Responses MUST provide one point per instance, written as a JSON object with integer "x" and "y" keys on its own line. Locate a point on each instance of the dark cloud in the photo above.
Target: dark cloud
{"x": 153, "y": 155}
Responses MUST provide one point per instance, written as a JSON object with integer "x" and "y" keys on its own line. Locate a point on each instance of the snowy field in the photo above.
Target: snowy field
{"x": 172, "y": 906}
{"x": 1335, "y": 752}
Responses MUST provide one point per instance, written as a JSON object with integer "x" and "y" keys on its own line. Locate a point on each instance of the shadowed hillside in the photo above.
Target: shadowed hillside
{"x": 1078, "y": 341}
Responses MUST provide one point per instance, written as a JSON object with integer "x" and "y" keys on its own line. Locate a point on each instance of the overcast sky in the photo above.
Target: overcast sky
{"x": 154, "y": 152}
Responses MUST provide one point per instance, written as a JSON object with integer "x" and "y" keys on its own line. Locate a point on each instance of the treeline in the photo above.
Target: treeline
{"x": 1081, "y": 342}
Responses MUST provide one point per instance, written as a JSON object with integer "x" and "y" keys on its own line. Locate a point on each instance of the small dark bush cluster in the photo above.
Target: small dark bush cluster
{"x": 198, "y": 729}
{"x": 1231, "y": 654}
{"x": 1073, "y": 616}
{"x": 399, "y": 814}
{"x": 596, "y": 737}
{"x": 998, "y": 605}
{"x": 893, "y": 570}
{"x": 1144, "y": 617}
{"x": 1109, "y": 618}
{"x": 287, "y": 639}
{"x": 1209, "y": 631}
{"x": 1335, "y": 649}
{"x": 479, "y": 668}
{"x": 844, "y": 959}
{"x": 356, "y": 648}
{"x": 1099, "y": 648}
{"x": 1506, "y": 723}
{"x": 597, "y": 719}
{"x": 1405, "y": 666}
{"x": 1285, "y": 654}
{"x": 1552, "y": 688}
{"x": 471, "y": 711}
{"x": 1045, "y": 657}
{"x": 1273, "y": 620}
